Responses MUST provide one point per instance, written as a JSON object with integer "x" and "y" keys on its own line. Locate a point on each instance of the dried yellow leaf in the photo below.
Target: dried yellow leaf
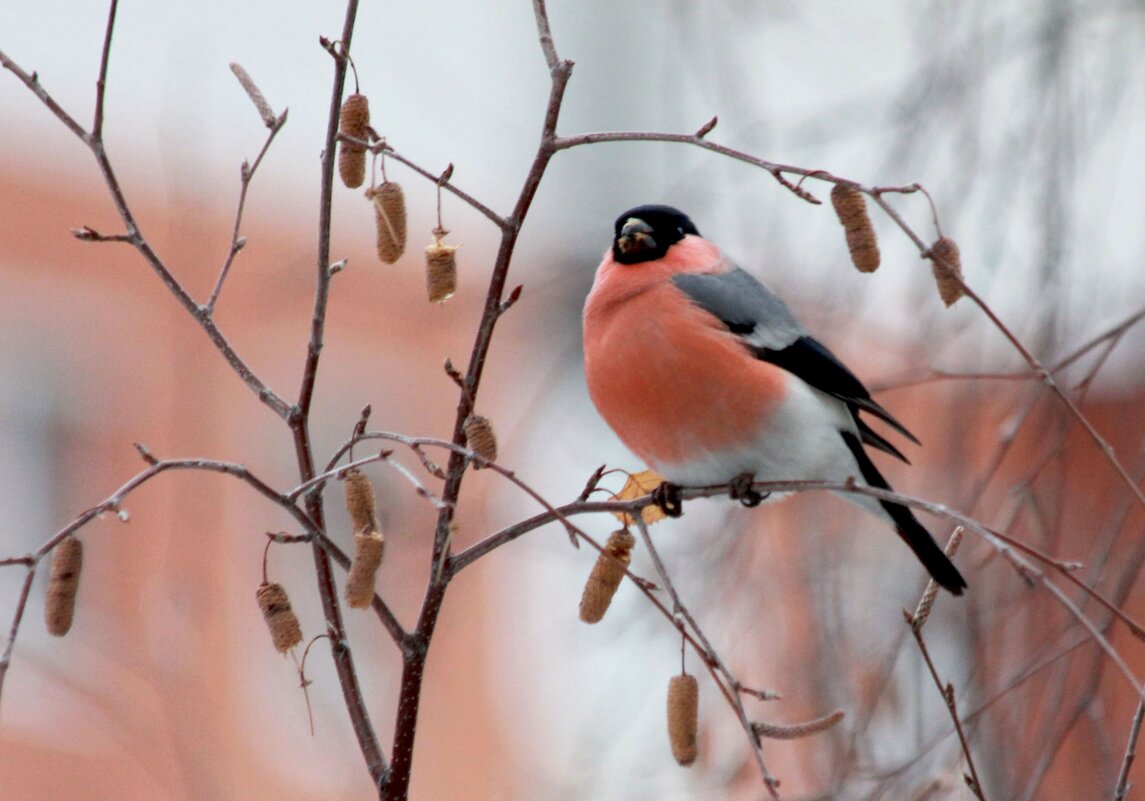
{"x": 637, "y": 486}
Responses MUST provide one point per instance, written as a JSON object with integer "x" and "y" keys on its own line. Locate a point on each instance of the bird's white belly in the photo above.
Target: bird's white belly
{"x": 800, "y": 441}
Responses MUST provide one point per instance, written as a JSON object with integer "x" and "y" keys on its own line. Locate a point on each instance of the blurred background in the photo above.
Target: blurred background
{"x": 1023, "y": 119}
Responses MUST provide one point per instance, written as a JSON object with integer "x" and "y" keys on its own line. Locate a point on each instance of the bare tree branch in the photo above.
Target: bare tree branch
{"x": 299, "y": 420}
{"x": 134, "y": 235}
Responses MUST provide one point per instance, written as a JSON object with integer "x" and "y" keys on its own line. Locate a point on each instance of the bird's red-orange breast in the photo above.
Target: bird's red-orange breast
{"x": 667, "y": 376}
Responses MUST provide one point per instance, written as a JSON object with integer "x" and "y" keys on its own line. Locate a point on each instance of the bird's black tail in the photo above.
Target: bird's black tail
{"x": 908, "y": 527}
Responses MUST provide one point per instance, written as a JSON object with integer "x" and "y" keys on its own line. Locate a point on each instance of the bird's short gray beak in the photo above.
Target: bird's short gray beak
{"x": 635, "y": 236}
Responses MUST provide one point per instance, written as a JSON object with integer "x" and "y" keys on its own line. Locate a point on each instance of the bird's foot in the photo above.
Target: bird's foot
{"x": 739, "y": 489}
{"x": 667, "y": 498}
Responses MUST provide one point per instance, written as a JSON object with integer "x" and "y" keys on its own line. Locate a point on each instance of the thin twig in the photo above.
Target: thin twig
{"x": 14, "y": 629}
{"x": 101, "y": 81}
{"x": 450, "y": 187}
{"x": 947, "y": 691}
{"x": 238, "y": 241}
{"x": 134, "y": 236}
{"x": 32, "y": 81}
{"x": 720, "y": 673}
{"x": 545, "y": 35}
{"x": 114, "y": 503}
{"x": 776, "y": 169}
{"x": 1121, "y": 791}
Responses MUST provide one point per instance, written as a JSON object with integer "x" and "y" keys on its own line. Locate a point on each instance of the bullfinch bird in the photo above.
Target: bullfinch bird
{"x": 709, "y": 378}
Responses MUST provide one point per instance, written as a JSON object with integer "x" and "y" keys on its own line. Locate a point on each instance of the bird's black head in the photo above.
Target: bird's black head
{"x": 646, "y": 232}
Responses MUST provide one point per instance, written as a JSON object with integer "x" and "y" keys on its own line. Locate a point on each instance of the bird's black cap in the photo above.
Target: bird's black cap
{"x": 645, "y": 233}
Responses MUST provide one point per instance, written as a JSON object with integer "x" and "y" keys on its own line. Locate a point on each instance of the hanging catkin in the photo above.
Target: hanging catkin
{"x": 390, "y": 217}
{"x": 279, "y": 617}
{"x": 360, "y": 501}
{"x": 368, "y": 548}
{"x": 683, "y": 716}
{"x": 369, "y": 543}
{"x": 353, "y": 121}
{"x": 60, "y": 605}
{"x": 861, "y": 242}
{"x": 440, "y": 272}
{"x": 480, "y": 438}
{"x": 606, "y": 576}
{"x": 946, "y": 264}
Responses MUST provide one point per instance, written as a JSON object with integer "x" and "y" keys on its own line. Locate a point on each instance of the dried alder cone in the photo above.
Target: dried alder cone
{"x": 861, "y": 242}
{"x": 440, "y": 271}
{"x": 683, "y": 717}
{"x": 946, "y": 264}
{"x": 390, "y": 216}
{"x": 480, "y": 438}
{"x": 60, "y": 605}
{"x": 279, "y": 617}
{"x": 354, "y": 120}
{"x": 606, "y": 576}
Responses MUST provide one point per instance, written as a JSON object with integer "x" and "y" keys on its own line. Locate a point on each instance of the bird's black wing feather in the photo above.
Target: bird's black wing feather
{"x": 811, "y": 361}
{"x": 876, "y": 440}
{"x": 772, "y": 332}
{"x": 914, "y": 534}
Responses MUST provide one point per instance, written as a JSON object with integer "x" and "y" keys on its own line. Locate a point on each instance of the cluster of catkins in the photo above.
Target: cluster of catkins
{"x": 946, "y": 263}
{"x": 369, "y": 544}
{"x": 683, "y": 689}
{"x": 389, "y": 204}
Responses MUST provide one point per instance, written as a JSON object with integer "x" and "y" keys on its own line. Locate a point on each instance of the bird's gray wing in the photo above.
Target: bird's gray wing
{"x": 745, "y": 306}
{"x": 753, "y": 312}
